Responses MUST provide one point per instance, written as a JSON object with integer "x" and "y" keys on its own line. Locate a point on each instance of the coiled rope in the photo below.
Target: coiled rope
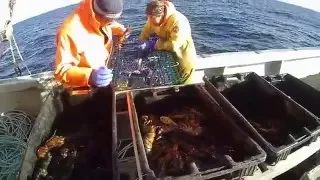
{"x": 123, "y": 152}
{"x": 15, "y": 127}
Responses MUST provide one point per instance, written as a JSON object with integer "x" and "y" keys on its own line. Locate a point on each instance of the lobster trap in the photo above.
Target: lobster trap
{"x": 132, "y": 70}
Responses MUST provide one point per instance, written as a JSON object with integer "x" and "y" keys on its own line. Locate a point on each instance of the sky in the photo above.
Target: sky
{"x": 310, "y": 4}
{"x": 42, "y": 6}
{"x": 37, "y": 7}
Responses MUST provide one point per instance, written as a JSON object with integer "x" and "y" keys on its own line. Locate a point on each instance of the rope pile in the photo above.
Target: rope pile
{"x": 15, "y": 127}
{"x": 123, "y": 152}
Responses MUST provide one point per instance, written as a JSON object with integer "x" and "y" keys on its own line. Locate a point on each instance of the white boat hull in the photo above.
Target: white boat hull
{"x": 297, "y": 62}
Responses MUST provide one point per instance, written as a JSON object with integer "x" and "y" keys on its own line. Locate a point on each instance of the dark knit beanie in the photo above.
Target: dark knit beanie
{"x": 111, "y": 9}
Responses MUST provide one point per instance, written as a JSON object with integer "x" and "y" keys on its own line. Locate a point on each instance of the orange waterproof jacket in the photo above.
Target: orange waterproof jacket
{"x": 82, "y": 47}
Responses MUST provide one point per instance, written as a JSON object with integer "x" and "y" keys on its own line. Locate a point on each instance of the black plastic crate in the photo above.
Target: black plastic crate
{"x": 302, "y": 93}
{"x": 242, "y": 161}
{"x": 134, "y": 71}
{"x": 84, "y": 125}
{"x": 272, "y": 118}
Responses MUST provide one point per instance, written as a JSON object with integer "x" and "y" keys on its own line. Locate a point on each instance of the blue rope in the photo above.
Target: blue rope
{"x": 15, "y": 127}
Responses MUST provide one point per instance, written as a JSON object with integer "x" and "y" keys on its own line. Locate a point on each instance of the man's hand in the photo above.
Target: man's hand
{"x": 124, "y": 37}
{"x": 101, "y": 77}
{"x": 148, "y": 45}
{"x": 127, "y": 32}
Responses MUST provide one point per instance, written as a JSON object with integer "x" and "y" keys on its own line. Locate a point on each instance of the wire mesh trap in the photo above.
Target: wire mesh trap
{"x": 134, "y": 71}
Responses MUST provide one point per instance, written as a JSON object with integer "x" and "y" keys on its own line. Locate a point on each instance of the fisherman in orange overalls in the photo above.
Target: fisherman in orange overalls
{"x": 84, "y": 43}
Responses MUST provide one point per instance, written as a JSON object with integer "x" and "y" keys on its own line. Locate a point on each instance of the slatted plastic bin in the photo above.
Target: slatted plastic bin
{"x": 302, "y": 93}
{"x": 249, "y": 99}
{"x": 75, "y": 122}
{"x": 242, "y": 162}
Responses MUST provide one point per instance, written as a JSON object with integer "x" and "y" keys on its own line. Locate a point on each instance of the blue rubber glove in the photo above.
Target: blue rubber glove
{"x": 148, "y": 45}
{"x": 101, "y": 77}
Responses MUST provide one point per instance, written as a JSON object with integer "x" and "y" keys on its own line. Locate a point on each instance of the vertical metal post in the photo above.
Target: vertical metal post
{"x": 134, "y": 140}
{"x": 114, "y": 137}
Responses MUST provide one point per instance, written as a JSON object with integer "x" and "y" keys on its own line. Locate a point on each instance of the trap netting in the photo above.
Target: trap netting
{"x": 134, "y": 71}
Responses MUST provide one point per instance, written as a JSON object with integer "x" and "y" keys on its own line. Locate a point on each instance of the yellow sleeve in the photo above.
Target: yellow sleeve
{"x": 66, "y": 64}
{"x": 146, "y": 32}
{"x": 178, "y": 36}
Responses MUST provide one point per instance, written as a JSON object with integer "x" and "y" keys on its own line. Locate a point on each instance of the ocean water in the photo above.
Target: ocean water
{"x": 218, "y": 26}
